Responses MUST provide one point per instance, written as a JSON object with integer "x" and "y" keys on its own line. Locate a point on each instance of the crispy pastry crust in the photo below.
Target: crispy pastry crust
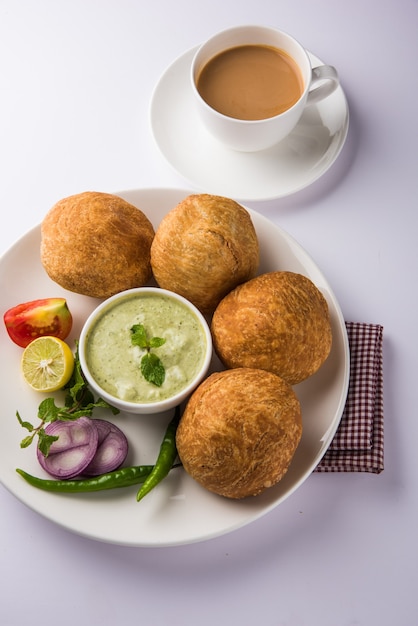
{"x": 203, "y": 248}
{"x": 278, "y": 321}
{"x": 96, "y": 244}
{"x": 239, "y": 432}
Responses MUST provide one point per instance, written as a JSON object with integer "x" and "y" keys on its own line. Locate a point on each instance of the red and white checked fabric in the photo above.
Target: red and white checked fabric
{"x": 358, "y": 443}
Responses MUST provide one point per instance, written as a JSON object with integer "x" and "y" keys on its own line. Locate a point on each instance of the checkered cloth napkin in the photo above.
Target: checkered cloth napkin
{"x": 358, "y": 443}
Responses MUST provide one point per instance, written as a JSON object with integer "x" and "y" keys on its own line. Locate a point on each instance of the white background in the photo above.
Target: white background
{"x": 76, "y": 78}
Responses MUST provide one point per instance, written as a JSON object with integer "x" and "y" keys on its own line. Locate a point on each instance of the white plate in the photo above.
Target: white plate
{"x": 296, "y": 162}
{"x": 178, "y": 511}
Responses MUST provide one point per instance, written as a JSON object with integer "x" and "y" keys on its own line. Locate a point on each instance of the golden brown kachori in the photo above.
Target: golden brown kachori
{"x": 239, "y": 432}
{"x": 203, "y": 248}
{"x": 278, "y": 321}
{"x": 96, "y": 244}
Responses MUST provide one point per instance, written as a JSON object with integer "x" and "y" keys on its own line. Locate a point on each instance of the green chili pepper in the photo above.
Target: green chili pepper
{"x": 165, "y": 459}
{"x": 124, "y": 477}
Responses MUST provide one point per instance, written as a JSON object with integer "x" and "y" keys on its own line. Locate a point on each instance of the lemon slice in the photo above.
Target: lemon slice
{"x": 47, "y": 364}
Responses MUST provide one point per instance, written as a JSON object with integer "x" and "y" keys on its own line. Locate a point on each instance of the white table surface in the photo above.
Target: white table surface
{"x": 75, "y": 86}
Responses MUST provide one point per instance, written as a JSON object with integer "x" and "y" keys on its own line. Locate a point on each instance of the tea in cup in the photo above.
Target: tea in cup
{"x": 251, "y": 85}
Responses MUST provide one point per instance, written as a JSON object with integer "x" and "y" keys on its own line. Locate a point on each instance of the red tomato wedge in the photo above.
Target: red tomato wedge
{"x": 30, "y": 320}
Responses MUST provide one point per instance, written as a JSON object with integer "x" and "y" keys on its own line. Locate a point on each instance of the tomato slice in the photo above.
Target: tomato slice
{"x": 29, "y": 320}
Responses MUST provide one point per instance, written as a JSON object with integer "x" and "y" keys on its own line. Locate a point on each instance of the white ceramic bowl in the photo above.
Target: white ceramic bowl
{"x": 109, "y": 349}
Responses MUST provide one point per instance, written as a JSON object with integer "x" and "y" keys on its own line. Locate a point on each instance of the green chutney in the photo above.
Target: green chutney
{"x": 116, "y": 364}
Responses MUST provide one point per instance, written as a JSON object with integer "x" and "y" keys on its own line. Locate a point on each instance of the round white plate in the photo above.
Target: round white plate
{"x": 178, "y": 511}
{"x": 296, "y": 162}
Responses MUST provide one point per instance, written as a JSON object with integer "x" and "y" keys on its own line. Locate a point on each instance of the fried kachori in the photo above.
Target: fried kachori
{"x": 204, "y": 247}
{"x": 239, "y": 432}
{"x": 96, "y": 244}
{"x": 278, "y": 321}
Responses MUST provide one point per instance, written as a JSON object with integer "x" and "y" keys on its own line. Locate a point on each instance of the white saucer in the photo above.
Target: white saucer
{"x": 296, "y": 162}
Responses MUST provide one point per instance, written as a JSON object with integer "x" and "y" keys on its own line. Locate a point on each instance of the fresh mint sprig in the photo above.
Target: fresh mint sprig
{"x": 152, "y": 368}
{"x": 79, "y": 401}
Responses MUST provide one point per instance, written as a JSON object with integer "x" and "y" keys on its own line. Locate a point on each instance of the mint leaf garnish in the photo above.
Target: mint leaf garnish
{"x": 45, "y": 441}
{"x": 156, "y": 342}
{"x": 139, "y": 336}
{"x": 152, "y": 368}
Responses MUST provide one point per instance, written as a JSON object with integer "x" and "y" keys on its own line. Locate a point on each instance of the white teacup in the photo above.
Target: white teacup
{"x": 250, "y": 135}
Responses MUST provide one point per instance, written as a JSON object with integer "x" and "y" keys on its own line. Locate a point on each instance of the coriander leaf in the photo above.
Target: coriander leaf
{"x": 152, "y": 369}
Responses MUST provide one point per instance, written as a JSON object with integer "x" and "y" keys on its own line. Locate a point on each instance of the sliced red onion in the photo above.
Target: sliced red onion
{"x": 112, "y": 449}
{"x": 74, "y": 449}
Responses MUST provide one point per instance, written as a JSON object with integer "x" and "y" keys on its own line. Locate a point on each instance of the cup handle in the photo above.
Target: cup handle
{"x": 324, "y": 81}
